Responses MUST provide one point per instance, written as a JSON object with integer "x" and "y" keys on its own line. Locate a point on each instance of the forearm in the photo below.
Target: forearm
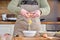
{"x": 44, "y": 11}
{"x": 13, "y": 6}
{"x": 44, "y": 7}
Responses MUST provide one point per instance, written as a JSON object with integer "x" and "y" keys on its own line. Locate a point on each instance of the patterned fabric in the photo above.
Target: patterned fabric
{"x": 31, "y": 2}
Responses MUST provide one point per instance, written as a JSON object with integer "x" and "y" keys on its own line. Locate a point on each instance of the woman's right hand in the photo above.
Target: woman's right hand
{"x": 24, "y": 13}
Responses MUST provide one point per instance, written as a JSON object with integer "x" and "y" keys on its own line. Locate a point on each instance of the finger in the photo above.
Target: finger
{"x": 34, "y": 16}
{"x": 37, "y": 15}
{"x": 27, "y": 16}
{"x": 31, "y": 15}
{"x": 23, "y": 14}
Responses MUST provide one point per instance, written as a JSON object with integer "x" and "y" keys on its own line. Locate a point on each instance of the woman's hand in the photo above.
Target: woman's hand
{"x": 24, "y": 13}
{"x": 36, "y": 13}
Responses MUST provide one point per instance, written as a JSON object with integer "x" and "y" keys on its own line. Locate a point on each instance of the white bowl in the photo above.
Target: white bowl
{"x": 29, "y": 33}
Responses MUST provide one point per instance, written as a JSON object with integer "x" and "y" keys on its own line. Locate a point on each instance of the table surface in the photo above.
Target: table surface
{"x": 34, "y": 38}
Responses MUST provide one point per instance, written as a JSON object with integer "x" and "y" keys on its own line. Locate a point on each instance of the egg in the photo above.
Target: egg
{"x": 45, "y": 35}
{"x": 30, "y": 21}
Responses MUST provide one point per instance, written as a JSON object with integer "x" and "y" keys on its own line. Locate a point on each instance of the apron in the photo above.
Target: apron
{"x": 22, "y": 22}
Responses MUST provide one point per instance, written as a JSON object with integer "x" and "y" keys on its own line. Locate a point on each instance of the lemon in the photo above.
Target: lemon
{"x": 30, "y": 21}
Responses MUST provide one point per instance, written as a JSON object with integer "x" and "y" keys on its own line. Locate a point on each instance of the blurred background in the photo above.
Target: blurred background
{"x": 7, "y": 24}
{"x": 53, "y": 16}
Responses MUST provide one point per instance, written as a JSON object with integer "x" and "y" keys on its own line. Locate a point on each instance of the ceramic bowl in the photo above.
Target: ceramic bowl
{"x": 29, "y": 33}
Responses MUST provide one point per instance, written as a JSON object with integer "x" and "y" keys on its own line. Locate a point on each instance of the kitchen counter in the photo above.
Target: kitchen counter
{"x": 7, "y": 22}
{"x": 50, "y": 22}
{"x": 13, "y": 22}
{"x": 35, "y": 38}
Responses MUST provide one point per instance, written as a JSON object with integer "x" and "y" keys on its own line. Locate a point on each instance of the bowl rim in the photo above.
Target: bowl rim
{"x": 29, "y": 32}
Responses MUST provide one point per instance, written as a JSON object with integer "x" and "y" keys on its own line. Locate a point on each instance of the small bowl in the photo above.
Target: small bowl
{"x": 29, "y": 33}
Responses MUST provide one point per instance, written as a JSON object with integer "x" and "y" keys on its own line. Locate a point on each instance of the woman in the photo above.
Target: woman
{"x": 24, "y": 7}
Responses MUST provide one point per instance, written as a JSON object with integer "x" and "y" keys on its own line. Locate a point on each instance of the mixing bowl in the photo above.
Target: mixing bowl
{"x": 29, "y": 33}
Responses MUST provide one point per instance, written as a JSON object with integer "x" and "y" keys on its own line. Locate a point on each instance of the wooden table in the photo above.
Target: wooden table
{"x": 34, "y": 38}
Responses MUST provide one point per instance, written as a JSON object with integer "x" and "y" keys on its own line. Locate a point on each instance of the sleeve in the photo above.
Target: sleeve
{"x": 44, "y": 7}
{"x": 13, "y": 6}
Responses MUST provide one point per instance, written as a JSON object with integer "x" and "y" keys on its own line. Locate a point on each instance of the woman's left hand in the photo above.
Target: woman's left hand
{"x": 36, "y": 13}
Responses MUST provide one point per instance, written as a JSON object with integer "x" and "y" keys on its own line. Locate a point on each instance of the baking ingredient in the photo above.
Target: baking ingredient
{"x": 29, "y": 23}
{"x": 45, "y": 35}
